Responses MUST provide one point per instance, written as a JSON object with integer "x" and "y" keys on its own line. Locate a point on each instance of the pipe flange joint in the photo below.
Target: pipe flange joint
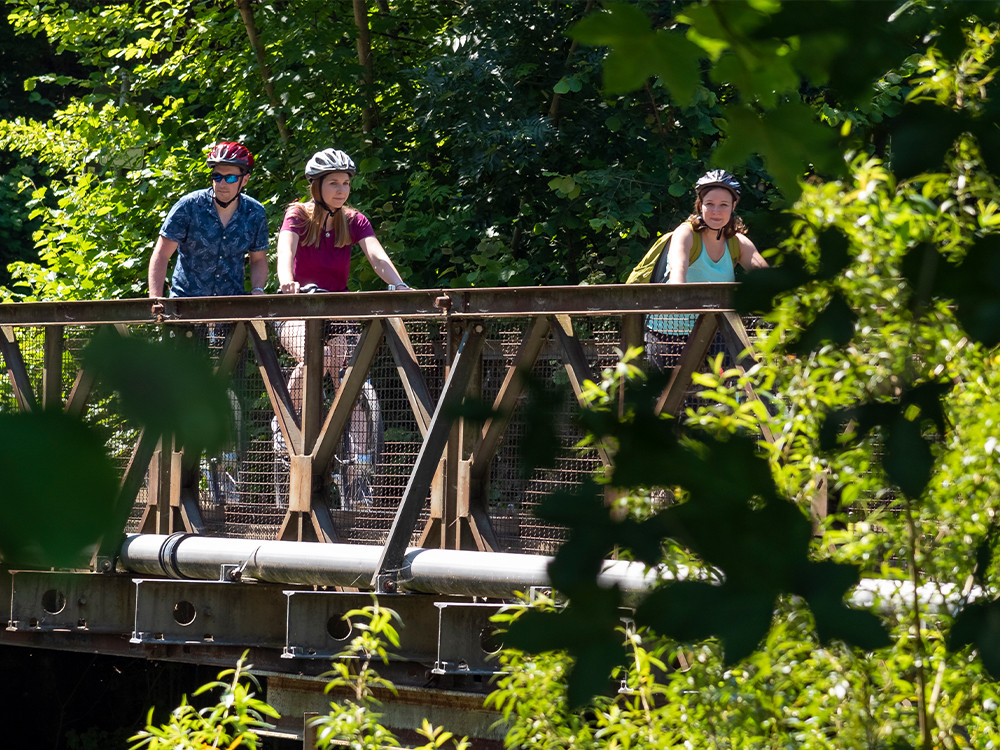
{"x": 167, "y": 557}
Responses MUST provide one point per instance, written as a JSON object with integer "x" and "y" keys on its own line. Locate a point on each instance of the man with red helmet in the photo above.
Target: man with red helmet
{"x": 213, "y": 230}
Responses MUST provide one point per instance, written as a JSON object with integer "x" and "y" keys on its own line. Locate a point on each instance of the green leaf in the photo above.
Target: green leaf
{"x": 921, "y": 136}
{"x": 978, "y": 625}
{"x": 824, "y": 585}
{"x": 975, "y": 287}
{"x": 617, "y": 23}
{"x": 760, "y": 287}
{"x": 54, "y": 518}
{"x": 168, "y": 387}
{"x": 677, "y": 61}
{"x": 788, "y": 138}
{"x": 908, "y": 460}
{"x": 689, "y": 612}
{"x": 834, "y": 256}
{"x": 835, "y": 325}
{"x": 588, "y": 631}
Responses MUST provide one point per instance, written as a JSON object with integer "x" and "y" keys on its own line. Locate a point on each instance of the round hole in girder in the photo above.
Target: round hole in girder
{"x": 53, "y": 601}
{"x": 184, "y": 613}
{"x": 339, "y": 628}
{"x": 490, "y": 641}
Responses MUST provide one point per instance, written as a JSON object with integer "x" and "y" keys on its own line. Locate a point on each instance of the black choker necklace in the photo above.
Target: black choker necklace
{"x": 329, "y": 215}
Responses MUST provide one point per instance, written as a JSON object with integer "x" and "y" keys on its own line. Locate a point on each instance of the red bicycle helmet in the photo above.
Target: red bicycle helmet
{"x": 230, "y": 152}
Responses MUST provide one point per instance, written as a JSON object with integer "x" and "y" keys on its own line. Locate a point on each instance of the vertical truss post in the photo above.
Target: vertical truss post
{"x": 168, "y": 506}
{"x": 458, "y": 517}
{"x": 463, "y": 368}
{"x": 52, "y": 367}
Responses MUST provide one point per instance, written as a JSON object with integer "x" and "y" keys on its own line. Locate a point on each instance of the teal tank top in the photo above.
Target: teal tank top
{"x": 704, "y": 270}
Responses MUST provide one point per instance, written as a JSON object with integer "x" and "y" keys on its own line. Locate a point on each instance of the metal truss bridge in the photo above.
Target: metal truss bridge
{"x": 312, "y": 511}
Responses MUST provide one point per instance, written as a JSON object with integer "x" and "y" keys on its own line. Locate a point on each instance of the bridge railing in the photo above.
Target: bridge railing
{"x": 434, "y": 479}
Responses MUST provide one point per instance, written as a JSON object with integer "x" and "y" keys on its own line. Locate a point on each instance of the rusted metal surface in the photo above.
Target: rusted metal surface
{"x": 603, "y": 300}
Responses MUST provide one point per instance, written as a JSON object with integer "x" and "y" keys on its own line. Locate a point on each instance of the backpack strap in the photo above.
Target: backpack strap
{"x": 695, "y": 248}
{"x": 734, "y": 249}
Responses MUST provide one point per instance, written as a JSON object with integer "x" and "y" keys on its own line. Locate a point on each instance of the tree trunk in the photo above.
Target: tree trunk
{"x": 246, "y": 13}
{"x": 556, "y": 97}
{"x": 369, "y": 113}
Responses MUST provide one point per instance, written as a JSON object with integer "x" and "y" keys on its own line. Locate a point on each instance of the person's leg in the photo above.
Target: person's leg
{"x": 335, "y": 356}
{"x": 292, "y": 335}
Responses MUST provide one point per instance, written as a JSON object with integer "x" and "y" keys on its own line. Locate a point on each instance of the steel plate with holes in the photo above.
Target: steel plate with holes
{"x": 466, "y": 638}
{"x": 232, "y": 614}
{"x": 91, "y": 602}
{"x": 317, "y": 629}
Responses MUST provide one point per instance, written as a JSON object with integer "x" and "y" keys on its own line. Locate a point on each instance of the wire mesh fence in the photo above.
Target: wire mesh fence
{"x": 243, "y": 489}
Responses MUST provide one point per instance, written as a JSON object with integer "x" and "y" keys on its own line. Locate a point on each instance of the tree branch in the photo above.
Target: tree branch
{"x": 369, "y": 114}
{"x": 556, "y": 97}
{"x": 246, "y": 13}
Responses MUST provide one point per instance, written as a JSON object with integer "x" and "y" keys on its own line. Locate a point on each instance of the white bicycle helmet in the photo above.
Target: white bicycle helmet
{"x": 329, "y": 160}
{"x": 717, "y": 178}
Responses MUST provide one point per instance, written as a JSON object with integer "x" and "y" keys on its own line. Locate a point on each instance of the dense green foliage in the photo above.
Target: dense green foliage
{"x": 497, "y": 149}
{"x": 353, "y": 720}
{"x": 228, "y": 723}
{"x": 879, "y": 358}
{"x": 496, "y": 155}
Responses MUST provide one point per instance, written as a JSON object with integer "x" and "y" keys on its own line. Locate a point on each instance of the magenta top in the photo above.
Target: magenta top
{"x": 327, "y": 265}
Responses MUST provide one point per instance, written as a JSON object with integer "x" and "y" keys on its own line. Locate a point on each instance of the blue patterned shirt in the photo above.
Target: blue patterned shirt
{"x": 211, "y": 258}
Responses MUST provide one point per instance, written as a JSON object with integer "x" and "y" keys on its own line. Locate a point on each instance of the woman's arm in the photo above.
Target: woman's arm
{"x": 750, "y": 257}
{"x": 288, "y": 243}
{"x": 381, "y": 262}
{"x": 679, "y": 253}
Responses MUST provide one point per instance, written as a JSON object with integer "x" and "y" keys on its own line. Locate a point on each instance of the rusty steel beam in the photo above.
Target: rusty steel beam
{"x": 605, "y": 299}
{"x": 462, "y": 368}
{"x": 16, "y": 369}
{"x": 693, "y": 355}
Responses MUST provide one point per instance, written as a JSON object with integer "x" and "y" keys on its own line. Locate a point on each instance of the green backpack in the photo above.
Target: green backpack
{"x": 653, "y": 266}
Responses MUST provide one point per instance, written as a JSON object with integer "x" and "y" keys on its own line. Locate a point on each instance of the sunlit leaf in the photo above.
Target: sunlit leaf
{"x": 788, "y": 138}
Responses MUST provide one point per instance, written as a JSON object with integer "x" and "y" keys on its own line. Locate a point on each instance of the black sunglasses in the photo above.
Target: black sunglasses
{"x": 229, "y": 178}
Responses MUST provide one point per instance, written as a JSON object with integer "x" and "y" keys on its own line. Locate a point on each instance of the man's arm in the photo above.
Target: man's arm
{"x": 258, "y": 271}
{"x": 158, "y": 265}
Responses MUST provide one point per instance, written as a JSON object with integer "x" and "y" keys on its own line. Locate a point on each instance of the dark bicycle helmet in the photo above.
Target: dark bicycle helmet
{"x": 230, "y": 152}
{"x": 329, "y": 160}
{"x": 717, "y": 178}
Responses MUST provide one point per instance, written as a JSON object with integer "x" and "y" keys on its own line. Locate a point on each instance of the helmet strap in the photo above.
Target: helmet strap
{"x": 226, "y": 204}
{"x": 329, "y": 213}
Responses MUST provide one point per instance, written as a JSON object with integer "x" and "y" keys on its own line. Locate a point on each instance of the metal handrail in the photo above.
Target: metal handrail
{"x": 609, "y": 299}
